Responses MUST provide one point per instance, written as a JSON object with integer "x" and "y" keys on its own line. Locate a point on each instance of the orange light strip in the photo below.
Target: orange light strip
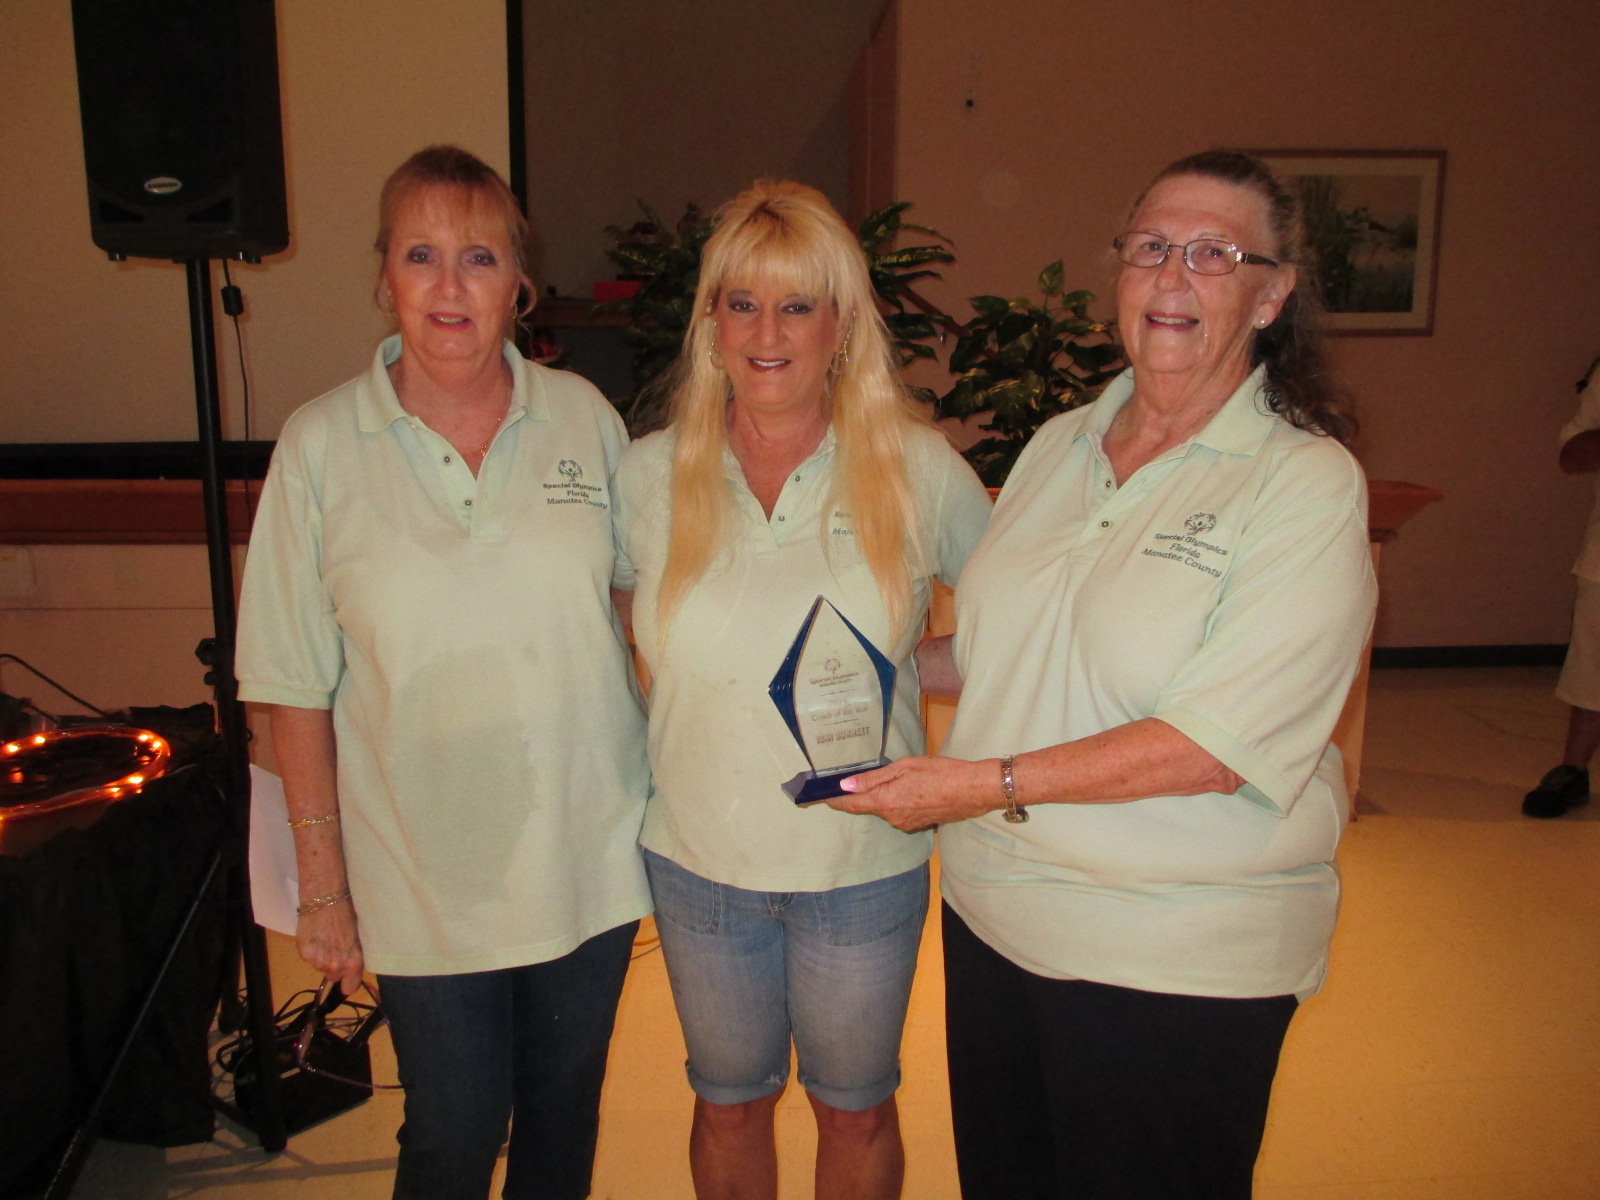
{"x": 152, "y": 754}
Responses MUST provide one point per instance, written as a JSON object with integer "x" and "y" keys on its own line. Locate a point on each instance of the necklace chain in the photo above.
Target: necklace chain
{"x": 482, "y": 451}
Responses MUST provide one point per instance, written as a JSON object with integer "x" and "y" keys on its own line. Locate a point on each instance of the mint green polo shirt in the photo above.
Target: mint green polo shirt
{"x": 491, "y": 763}
{"x": 1225, "y": 588}
{"x": 718, "y": 747}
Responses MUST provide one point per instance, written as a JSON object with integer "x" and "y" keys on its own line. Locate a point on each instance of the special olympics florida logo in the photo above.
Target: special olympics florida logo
{"x": 1199, "y": 523}
{"x": 571, "y": 471}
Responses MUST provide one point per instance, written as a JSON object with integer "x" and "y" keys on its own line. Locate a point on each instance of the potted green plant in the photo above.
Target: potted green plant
{"x": 667, "y": 266}
{"x": 1022, "y": 363}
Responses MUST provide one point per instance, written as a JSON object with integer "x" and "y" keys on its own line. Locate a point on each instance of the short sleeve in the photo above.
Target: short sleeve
{"x": 640, "y": 491}
{"x": 614, "y": 437}
{"x": 290, "y": 650}
{"x": 963, "y": 515}
{"x": 1265, "y": 690}
{"x": 613, "y": 432}
{"x": 623, "y": 576}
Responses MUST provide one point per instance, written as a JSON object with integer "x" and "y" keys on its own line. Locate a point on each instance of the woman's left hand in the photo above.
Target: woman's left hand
{"x": 914, "y": 794}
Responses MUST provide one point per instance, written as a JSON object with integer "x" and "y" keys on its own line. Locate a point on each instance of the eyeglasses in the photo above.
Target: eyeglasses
{"x": 317, "y": 1039}
{"x": 1203, "y": 256}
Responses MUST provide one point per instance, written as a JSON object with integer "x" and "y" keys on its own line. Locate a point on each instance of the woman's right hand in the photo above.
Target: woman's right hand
{"x": 326, "y": 937}
{"x": 328, "y": 940}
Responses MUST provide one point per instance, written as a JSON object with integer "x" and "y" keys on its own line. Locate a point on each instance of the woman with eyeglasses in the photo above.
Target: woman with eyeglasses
{"x": 1140, "y": 808}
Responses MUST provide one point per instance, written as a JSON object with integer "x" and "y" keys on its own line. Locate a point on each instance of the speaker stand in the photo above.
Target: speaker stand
{"x": 265, "y": 1117}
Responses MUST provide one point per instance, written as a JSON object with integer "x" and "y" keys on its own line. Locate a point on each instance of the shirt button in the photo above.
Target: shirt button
{"x": 780, "y": 518}
{"x": 447, "y": 458}
{"x": 1108, "y": 483}
{"x": 797, "y": 479}
{"x": 469, "y": 503}
{"x": 1103, "y": 524}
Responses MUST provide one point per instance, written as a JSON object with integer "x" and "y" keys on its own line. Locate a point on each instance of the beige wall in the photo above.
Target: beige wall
{"x": 1076, "y": 105}
{"x": 118, "y": 625}
{"x": 98, "y": 351}
{"x": 1067, "y": 123}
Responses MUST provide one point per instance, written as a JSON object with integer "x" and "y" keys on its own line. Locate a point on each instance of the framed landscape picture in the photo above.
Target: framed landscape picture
{"x": 1372, "y": 218}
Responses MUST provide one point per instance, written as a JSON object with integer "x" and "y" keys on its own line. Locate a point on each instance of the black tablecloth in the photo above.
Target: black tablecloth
{"x": 84, "y": 920}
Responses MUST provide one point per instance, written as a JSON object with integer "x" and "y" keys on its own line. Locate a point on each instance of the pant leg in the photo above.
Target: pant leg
{"x": 998, "y": 1098}
{"x": 563, "y": 1014}
{"x": 452, "y": 1044}
{"x": 1579, "y": 684}
{"x": 723, "y": 947}
{"x": 1156, "y": 1096}
{"x": 850, "y": 954}
{"x": 1070, "y": 1090}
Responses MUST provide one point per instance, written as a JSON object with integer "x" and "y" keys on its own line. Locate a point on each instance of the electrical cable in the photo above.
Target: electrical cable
{"x": 233, "y": 307}
{"x": 644, "y": 944}
{"x": 27, "y": 666}
{"x": 229, "y": 1054}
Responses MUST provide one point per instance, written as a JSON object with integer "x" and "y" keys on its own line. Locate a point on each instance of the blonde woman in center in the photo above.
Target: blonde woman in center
{"x": 794, "y": 466}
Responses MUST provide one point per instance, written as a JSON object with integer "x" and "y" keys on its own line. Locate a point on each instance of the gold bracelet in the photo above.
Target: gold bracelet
{"x": 320, "y": 902}
{"x": 1014, "y": 812}
{"x": 302, "y": 822}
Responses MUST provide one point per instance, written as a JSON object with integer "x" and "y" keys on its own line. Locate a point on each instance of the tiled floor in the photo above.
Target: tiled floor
{"x": 1454, "y": 1055}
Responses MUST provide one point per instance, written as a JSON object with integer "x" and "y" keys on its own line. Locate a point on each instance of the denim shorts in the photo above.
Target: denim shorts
{"x": 751, "y": 970}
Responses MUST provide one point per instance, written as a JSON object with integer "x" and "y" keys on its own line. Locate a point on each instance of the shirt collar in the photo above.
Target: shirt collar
{"x": 377, "y": 406}
{"x": 1240, "y": 426}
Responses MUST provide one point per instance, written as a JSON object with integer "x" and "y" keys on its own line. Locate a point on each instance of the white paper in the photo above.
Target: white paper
{"x": 274, "y": 875}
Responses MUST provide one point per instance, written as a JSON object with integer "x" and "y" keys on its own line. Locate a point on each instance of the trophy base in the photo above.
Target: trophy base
{"x": 812, "y": 787}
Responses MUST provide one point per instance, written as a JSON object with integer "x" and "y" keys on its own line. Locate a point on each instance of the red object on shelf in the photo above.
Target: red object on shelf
{"x": 1391, "y": 504}
{"x": 615, "y": 289}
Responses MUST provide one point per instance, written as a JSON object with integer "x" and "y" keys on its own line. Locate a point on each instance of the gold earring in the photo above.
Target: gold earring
{"x": 713, "y": 354}
{"x": 841, "y": 356}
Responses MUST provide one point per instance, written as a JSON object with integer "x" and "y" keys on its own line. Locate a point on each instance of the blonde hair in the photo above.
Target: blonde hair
{"x": 787, "y": 234}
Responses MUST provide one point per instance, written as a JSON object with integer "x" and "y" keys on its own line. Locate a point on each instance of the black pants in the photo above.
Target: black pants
{"x": 1069, "y": 1090}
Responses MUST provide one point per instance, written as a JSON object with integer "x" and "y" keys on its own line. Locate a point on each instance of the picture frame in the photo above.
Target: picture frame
{"x": 1372, "y": 219}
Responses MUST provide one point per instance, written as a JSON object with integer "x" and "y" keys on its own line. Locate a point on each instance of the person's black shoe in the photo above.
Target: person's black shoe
{"x": 1560, "y": 789}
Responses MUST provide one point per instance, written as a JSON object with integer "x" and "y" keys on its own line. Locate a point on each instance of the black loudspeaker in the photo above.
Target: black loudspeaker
{"x": 181, "y": 132}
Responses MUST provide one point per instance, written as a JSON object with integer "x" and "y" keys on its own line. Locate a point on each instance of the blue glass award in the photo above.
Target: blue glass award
{"x": 834, "y": 691}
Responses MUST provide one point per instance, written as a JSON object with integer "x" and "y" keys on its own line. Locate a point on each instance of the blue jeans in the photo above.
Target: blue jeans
{"x": 525, "y": 1046}
{"x": 749, "y": 970}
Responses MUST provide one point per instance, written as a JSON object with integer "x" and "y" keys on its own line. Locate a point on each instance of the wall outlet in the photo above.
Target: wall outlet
{"x": 16, "y": 572}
